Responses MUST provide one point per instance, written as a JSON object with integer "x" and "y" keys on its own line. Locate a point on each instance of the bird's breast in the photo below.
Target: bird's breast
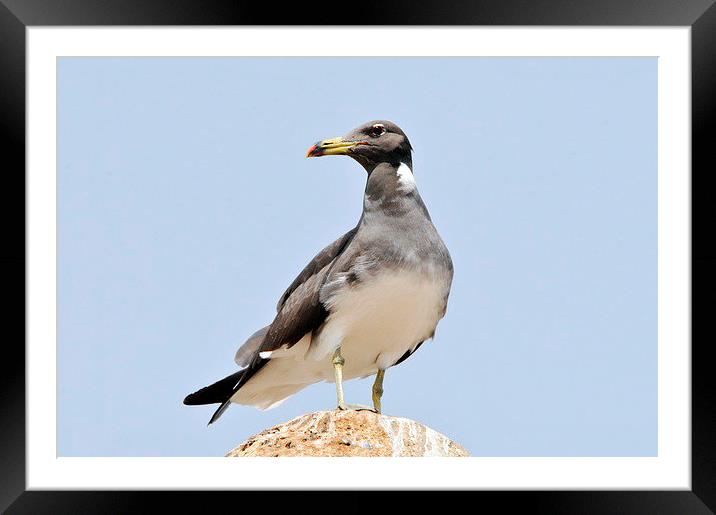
{"x": 375, "y": 321}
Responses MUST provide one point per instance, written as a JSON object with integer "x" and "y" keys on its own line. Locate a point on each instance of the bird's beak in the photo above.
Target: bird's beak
{"x": 333, "y": 147}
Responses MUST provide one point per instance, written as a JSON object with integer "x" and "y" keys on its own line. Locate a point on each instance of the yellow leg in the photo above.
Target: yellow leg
{"x": 338, "y": 363}
{"x": 378, "y": 389}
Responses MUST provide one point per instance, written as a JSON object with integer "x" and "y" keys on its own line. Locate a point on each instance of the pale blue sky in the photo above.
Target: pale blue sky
{"x": 185, "y": 207}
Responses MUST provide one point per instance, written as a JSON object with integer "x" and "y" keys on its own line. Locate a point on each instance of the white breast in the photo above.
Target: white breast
{"x": 377, "y": 321}
{"x": 374, "y": 322}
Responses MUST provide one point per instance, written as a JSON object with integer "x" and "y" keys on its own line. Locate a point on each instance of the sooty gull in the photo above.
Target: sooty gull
{"x": 365, "y": 303}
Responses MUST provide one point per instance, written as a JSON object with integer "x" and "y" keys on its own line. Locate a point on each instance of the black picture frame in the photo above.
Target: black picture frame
{"x": 17, "y": 15}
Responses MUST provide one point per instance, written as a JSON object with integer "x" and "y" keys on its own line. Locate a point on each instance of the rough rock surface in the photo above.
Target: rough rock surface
{"x": 348, "y": 433}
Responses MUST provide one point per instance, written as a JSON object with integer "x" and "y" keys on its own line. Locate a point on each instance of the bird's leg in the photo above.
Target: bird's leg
{"x": 338, "y": 363}
{"x": 378, "y": 389}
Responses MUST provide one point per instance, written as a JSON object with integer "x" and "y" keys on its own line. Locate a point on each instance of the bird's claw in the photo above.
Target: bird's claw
{"x": 356, "y": 407}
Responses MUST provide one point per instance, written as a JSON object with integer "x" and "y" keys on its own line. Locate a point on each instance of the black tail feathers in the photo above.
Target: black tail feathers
{"x": 219, "y": 392}
{"x": 223, "y": 390}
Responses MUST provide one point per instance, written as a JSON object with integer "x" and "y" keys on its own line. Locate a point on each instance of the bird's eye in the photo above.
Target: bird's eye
{"x": 377, "y": 130}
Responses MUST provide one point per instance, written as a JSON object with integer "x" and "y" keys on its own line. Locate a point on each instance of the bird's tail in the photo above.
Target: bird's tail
{"x": 218, "y": 393}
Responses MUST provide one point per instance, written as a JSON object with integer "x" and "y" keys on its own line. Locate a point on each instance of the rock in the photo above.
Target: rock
{"x": 348, "y": 433}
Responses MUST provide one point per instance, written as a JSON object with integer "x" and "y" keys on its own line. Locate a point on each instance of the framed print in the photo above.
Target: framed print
{"x": 161, "y": 150}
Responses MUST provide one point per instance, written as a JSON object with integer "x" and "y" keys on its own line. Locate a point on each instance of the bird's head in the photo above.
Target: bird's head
{"x": 372, "y": 143}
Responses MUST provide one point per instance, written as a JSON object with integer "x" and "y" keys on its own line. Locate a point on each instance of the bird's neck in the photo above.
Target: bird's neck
{"x": 387, "y": 180}
{"x": 391, "y": 189}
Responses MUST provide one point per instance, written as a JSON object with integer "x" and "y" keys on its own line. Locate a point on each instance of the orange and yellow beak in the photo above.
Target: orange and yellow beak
{"x": 333, "y": 147}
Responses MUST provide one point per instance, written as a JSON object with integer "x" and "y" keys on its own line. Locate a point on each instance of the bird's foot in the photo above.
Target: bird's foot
{"x": 355, "y": 407}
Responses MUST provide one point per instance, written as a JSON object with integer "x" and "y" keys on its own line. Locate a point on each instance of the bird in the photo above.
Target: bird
{"x": 364, "y": 303}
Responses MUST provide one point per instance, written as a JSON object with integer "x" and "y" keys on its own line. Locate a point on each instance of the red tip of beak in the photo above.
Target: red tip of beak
{"x": 313, "y": 151}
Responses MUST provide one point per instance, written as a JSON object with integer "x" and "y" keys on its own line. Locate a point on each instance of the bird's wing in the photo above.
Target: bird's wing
{"x": 407, "y": 354}
{"x": 245, "y": 353}
{"x": 323, "y": 258}
{"x": 300, "y": 311}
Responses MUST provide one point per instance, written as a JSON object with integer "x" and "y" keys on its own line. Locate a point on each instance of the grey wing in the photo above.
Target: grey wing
{"x": 323, "y": 258}
{"x": 250, "y": 347}
{"x": 299, "y": 309}
{"x": 407, "y": 354}
{"x": 299, "y": 312}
